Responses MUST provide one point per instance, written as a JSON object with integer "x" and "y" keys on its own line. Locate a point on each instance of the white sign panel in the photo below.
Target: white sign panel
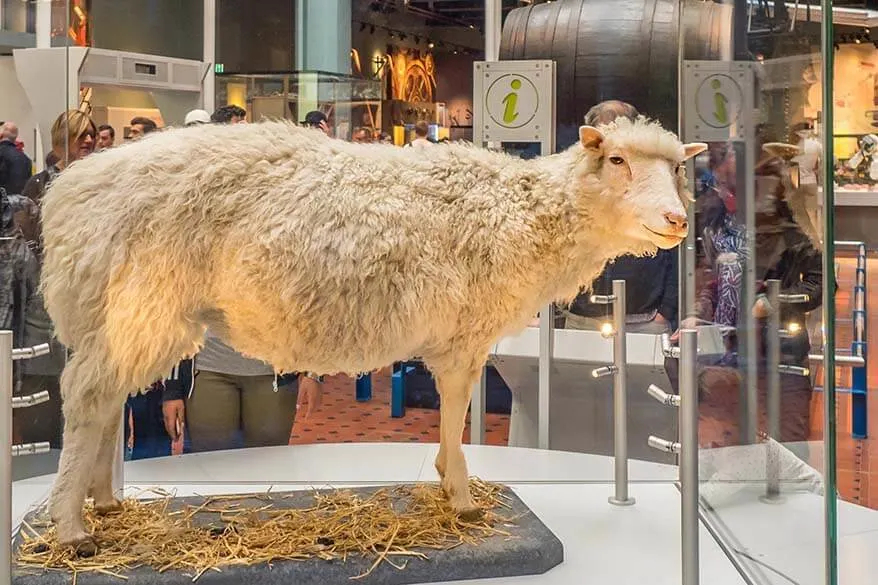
{"x": 514, "y": 102}
{"x": 718, "y": 100}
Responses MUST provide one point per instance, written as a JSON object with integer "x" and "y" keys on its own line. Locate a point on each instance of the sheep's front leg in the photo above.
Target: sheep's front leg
{"x": 81, "y": 442}
{"x": 102, "y": 479}
{"x": 455, "y": 388}
{"x": 84, "y": 420}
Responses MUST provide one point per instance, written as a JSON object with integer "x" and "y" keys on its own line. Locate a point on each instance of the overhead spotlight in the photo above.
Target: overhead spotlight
{"x": 430, "y": 45}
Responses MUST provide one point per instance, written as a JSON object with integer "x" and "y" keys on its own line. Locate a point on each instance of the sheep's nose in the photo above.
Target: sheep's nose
{"x": 677, "y": 221}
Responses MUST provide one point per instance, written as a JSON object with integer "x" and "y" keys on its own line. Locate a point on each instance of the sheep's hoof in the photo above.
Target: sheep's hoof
{"x": 84, "y": 547}
{"x": 114, "y": 507}
{"x": 471, "y": 514}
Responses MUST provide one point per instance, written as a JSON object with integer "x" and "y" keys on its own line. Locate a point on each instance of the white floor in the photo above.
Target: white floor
{"x": 568, "y": 491}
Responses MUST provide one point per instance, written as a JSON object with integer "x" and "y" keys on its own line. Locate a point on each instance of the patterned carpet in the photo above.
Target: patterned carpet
{"x": 341, "y": 419}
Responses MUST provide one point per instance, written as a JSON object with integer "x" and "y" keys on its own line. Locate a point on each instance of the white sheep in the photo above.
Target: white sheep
{"x": 318, "y": 255}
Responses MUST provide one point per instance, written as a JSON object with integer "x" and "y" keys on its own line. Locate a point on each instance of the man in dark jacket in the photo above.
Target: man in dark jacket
{"x": 15, "y": 166}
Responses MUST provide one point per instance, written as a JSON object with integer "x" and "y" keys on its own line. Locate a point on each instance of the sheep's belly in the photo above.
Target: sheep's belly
{"x": 333, "y": 341}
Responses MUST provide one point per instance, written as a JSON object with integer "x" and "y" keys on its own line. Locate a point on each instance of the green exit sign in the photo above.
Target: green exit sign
{"x": 218, "y": 68}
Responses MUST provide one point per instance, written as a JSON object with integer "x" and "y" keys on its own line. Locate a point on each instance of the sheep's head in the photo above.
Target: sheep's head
{"x": 639, "y": 165}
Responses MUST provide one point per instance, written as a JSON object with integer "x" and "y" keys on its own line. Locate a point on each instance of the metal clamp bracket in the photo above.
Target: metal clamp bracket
{"x": 27, "y": 353}
{"x": 663, "y": 397}
{"x": 30, "y": 449}
{"x": 604, "y": 371}
{"x": 664, "y": 445}
{"x": 30, "y": 400}
{"x": 602, "y": 299}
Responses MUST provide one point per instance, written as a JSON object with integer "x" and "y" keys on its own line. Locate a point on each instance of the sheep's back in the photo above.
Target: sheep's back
{"x": 364, "y": 221}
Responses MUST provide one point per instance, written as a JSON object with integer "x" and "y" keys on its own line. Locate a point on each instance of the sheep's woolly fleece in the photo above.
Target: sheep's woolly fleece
{"x": 317, "y": 254}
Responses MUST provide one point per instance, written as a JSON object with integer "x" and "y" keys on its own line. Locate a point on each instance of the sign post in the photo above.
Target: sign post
{"x": 719, "y": 107}
{"x": 514, "y": 101}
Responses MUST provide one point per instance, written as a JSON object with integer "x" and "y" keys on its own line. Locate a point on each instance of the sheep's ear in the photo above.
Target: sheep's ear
{"x": 591, "y": 138}
{"x": 781, "y": 149}
{"x": 693, "y": 149}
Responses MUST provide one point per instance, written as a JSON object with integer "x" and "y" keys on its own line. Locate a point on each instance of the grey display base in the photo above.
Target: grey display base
{"x": 532, "y": 550}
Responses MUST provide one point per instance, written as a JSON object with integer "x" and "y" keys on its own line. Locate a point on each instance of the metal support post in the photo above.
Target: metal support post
{"x": 751, "y": 352}
{"x": 44, "y": 24}
{"x": 493, "y": 35}
{"x": 208, "y": 90}
{"x": 7, "y": 450}
{"x": 830, "y": 473}
{"x": 119, "y": 459}
{"x": 6, "y": 457}
{"x": 620, "y": 397}
{"x": 478, "y": 404}
{"x": 363, "y": 388}
{"x": 859, "y": 376}
{"x": 493, "y": 29}
{"x": 547, "y": 349}
{"x": 397, "y": 389}
{"x": 772, "y": 370}
{"x": 689, "y": 454}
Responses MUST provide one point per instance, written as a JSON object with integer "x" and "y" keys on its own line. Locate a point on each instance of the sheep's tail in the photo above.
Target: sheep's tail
{"x": 78, "y": 256}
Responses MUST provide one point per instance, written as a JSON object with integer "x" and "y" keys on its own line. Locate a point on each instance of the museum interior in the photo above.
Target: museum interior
{"x": 699, "y": 411}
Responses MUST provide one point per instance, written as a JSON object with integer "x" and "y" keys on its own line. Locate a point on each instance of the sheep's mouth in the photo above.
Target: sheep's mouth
{"x": 661, "y": 240}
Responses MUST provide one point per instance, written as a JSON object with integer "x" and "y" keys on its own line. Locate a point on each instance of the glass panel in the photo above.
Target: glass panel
{"x": 18, "y": 16}
{"x": 36, "y": 100}
{"x": 755, "y": 289}
{"x": 589, "y": 77}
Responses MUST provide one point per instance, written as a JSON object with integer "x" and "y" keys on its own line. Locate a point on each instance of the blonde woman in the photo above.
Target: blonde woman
{"x": 73, "y": 137}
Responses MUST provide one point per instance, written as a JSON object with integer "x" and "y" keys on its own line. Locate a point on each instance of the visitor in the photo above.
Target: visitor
{"x": 196, "y": 118}
{"x": 15, "y": 166}
{"x": 73, "y": 137}
{"x": 140, "y": 127}
{"x": 106, "y": 137}
{"x": 317, "y": 119}
{"x": 221, "y": 399}
{"x": 230, "y": 114}
{"x": 422, "y": 130}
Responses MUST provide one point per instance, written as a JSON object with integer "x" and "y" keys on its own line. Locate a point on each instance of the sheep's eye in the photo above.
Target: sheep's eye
{"x": 617, "y": 160}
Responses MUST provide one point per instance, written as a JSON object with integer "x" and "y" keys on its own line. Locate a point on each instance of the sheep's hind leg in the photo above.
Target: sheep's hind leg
{"x": 84, "y": 422}
{"x": 105, "y": 501}
{"x": 455, "y": 388}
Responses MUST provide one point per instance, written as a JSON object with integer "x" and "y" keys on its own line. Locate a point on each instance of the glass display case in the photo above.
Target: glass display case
{"x": 758, "y": 419}
{"x": 349, "y": 103}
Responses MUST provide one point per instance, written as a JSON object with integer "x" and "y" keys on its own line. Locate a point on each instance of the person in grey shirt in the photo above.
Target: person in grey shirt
{"x": 233, "y": 401}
